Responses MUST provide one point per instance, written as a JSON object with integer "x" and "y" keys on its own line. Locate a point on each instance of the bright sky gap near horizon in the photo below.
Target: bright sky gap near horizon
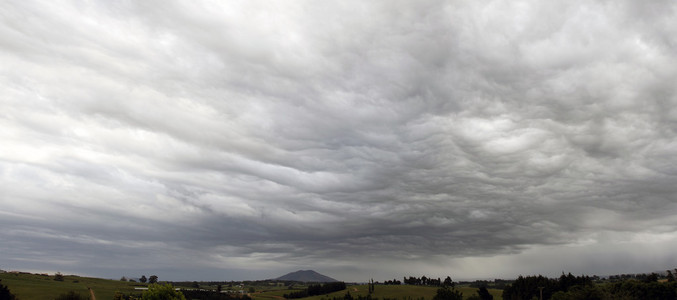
{"x": 208, "y": 140}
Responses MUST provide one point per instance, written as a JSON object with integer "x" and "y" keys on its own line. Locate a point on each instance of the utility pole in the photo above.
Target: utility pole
{"x": 541, "y": 290}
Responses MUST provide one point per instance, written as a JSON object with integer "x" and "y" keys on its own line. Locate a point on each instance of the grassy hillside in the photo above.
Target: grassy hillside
{"x": 383, "y": 291}
{"x": 41, "y": 287}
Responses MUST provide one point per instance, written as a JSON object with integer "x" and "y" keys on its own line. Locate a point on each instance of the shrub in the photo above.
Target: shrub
{"x": 58, "y": 276}
{"x": 72, "y": 295}
{"x": 162, "y": 292}
{"x": 446, "y": 293}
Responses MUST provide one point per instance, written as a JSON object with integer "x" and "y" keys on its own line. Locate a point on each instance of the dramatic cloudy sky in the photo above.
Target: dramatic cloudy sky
{"x": 247, "y": 139}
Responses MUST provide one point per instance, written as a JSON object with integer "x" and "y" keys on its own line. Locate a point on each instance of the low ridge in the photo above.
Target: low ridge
{"x": 306, "y": 276}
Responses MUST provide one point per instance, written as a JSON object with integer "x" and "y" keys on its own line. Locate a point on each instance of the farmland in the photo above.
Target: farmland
{"x": 39, "y": 287}
{"x": 381, "y": 292}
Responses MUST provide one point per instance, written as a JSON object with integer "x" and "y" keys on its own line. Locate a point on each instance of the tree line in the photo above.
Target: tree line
{"x": 317, "y": 289}
{"x": 570, "y": 287}
{"x": 152, "y": 279}
{"x": 493, "y": 284}
{"x": 427, "y": 281}
{"x": 446, "y": 291}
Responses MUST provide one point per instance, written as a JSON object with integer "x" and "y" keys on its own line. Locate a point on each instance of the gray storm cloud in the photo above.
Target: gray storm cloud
{"x": 354, "y": 137}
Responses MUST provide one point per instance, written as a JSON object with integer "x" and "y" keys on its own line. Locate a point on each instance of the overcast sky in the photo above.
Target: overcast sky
{"x": 236, "y": 140}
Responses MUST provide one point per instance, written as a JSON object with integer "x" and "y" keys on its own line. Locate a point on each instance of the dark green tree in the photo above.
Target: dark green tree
{"x": 530, "y": 287}
{"x": 448, "y": 282}
{"x": 447, "y": 293}
{"x": 152, "y": 279}
{"x": 5, "y": 294}
{"x": 143, "y": 279}
{"x": 587, "y": 292}
{"x": 162, "y": 292}
{"x": 670, "y": 277}
{"x": 653, "y": 277}
{"x": 484, "y": 294}
{"x": 635, "y": 289}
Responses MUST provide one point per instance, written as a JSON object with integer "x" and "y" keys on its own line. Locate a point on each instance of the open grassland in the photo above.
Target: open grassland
{"x": 276, "y": 294}
{"x": 401, "y": 292}
{"x": 41, "y": 287}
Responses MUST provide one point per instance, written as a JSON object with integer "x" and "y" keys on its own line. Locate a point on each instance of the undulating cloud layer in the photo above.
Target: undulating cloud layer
{"x": 210, "y": 140}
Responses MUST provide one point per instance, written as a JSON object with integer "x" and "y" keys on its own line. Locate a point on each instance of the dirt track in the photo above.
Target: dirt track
{"x": 91, "y": 293}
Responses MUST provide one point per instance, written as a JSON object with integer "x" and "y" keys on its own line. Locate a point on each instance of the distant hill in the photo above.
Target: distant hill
{"x": 306, "y": 276}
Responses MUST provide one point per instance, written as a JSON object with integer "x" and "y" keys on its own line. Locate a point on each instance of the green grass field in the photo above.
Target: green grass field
{"x": 382, "y": 291}
{"x": 39, "y": 287}
{"x": 277, "y": 294}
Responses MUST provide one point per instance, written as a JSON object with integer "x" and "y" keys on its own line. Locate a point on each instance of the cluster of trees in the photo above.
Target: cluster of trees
{"x": 443, "y": 293}
{"x": 447, "y": 290}
{"x": 495, "y": 284}
{"x": 428, "y": 281}
{"x": 569, "y": 287}
{"x": 669, "y": 276}
{"x": 482, "y": 294}
{"x": 152, "y": 279}
{"x": 392, "y": 282}
{"x": 121, "y": 296}
{"x": 629, "y": 289}
{"x": 157, "y": 292}
{"x": 317, "y": 289}
{"x": 162, "y": 292}
{"x": 448, "y": 293}
{"x": 537, "y": 286}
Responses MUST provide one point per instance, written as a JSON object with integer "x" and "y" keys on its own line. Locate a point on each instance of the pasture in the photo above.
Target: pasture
{"x": 40, "y": 287}
{"x": 401, "y": 292}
